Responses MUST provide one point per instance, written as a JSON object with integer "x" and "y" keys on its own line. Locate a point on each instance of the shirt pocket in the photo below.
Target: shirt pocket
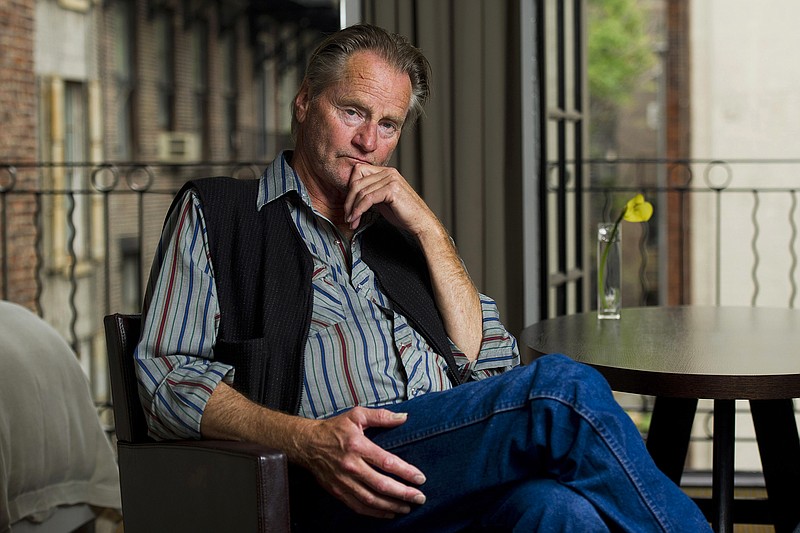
{"x": 426, "y": 370}
{"x": 328, "y": 307}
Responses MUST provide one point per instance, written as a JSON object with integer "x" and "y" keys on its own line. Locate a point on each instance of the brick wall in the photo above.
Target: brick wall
{"x": 19, "y": 115}
{"x": 185, "y": 115}
{"x": 18, "y": 144}
{"x": 128, "y": 214}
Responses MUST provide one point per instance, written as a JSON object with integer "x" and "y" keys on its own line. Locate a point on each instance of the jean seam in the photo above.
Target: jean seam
{"x": 615, "y": 448}
{"x": 443, "y": 428}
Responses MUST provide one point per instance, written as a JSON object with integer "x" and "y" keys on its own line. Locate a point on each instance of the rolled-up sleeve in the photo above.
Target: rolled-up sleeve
{"x": 174, "y": 358}
{"x": 499, "y": 351}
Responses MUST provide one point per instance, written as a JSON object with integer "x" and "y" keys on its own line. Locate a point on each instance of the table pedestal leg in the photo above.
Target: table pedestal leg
{"x": 779, "y": 448}
{"x": 722, "y": 476}
{"x": 668, "y": 437}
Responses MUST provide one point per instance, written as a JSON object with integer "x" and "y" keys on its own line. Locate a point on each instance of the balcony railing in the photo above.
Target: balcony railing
{"x": 724, "y": 232}
{"x": 76, "y": 240}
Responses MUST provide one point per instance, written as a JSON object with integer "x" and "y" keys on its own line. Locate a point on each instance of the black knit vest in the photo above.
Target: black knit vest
{"x": 262, "y": 272}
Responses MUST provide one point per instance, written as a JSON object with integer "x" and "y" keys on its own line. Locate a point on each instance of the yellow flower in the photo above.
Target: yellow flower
{"x": 637, "y": 210}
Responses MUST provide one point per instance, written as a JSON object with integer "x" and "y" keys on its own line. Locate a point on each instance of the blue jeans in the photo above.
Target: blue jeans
{"x": 544, "y": 447}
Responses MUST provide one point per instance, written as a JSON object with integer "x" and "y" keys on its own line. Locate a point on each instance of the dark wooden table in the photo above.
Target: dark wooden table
{"x": 682, "y": 354}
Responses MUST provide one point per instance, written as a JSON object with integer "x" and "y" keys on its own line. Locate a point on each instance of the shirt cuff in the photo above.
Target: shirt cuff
{"x": 499, "y": 351}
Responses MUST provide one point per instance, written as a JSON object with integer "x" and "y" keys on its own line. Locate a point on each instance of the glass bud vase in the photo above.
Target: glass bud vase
{"x": 609, "y": 271}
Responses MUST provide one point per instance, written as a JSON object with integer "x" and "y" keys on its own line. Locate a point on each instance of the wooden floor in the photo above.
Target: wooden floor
{"x": 739, "y": 492}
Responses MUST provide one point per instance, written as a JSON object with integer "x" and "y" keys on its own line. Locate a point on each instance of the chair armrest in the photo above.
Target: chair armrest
{"x": 203, "y": 485}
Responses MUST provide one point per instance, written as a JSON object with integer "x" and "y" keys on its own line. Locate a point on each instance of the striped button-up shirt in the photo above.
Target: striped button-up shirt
{"x": 359, "y": 350}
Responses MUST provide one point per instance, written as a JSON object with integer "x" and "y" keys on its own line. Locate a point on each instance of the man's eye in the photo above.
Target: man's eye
{"x": 351, "y": 116}
{"x": 389, "y": 128}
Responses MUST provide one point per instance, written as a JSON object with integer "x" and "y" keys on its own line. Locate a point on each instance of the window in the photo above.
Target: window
{"x": 230, "y": 92}
{"x": 165, "y": 49}
{"x": 262, "y": 148}
{"x": 123, "y": 78}
{"x": 562, "y": 118}
{"x": 131, "y": 274}
{"x": 200, "y": 81}
{"x": 75, "y": 5}
{"x": 78, "y": 213}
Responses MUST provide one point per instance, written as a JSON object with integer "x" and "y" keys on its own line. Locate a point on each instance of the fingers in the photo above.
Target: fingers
{"x": 391, "y": 464}
{"x": 377, "y": 418}
{"x": 363, "y": 500}
{"x": 385, "y": 189}
{"x": 380, "y": 458}
{"x": 367, "y": 478}
{"x": 367, "y": 188}
{"x": 373, "y": 509}
{"x": 369, "y": 491}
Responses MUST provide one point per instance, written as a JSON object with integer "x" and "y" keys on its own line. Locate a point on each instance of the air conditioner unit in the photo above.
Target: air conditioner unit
{"x": 178, "y": 147}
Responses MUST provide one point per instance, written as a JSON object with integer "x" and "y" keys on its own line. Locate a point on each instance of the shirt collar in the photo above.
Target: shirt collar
{"x": 280, "y": 179}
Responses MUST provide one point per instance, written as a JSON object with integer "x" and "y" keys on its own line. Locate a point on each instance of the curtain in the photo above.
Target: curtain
{"x": 464, "y": 156}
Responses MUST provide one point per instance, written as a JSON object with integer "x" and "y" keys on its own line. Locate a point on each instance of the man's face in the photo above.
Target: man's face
{"x": 355, "y": 121}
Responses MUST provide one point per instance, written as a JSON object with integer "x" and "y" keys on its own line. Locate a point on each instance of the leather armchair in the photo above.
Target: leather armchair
{"x": 191, "y": 486}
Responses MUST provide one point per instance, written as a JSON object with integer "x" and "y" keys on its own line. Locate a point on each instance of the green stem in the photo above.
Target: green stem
{"x": 602, "y": 270}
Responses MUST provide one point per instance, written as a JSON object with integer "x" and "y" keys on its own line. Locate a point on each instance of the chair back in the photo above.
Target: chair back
{"x": 122, "y": 336}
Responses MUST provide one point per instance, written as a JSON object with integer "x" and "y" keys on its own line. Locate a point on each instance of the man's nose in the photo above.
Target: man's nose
{"x": 366, "y": 137}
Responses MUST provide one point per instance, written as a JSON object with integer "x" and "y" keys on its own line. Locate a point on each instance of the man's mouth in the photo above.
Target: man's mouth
{"x": 357, "y": 160}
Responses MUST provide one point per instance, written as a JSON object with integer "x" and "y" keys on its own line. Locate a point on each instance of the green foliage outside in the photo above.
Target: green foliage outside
{"x": 621, "y": 58}
{"x": 619, "y": 49}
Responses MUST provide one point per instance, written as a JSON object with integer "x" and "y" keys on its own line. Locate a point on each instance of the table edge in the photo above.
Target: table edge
{"x": 713, "y": 386}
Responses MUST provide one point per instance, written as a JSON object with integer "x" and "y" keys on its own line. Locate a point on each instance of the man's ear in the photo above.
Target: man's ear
{"x": 301, "y": 102}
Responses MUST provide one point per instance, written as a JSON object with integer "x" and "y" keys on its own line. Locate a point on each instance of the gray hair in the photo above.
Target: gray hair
{"x": 328, "y": 62}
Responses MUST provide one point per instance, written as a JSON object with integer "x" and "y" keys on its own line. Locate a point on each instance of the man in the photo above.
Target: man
{"x": 324, "y": 311}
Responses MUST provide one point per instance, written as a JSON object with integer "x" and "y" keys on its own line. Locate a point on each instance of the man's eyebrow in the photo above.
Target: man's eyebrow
{"x": 397, "y": 121}
{"x": 393, "y": 118}
{"x": 341, "y": 101}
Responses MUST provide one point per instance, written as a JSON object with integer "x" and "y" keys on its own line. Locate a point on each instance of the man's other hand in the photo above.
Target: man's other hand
{"x": 354, "y": 469}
